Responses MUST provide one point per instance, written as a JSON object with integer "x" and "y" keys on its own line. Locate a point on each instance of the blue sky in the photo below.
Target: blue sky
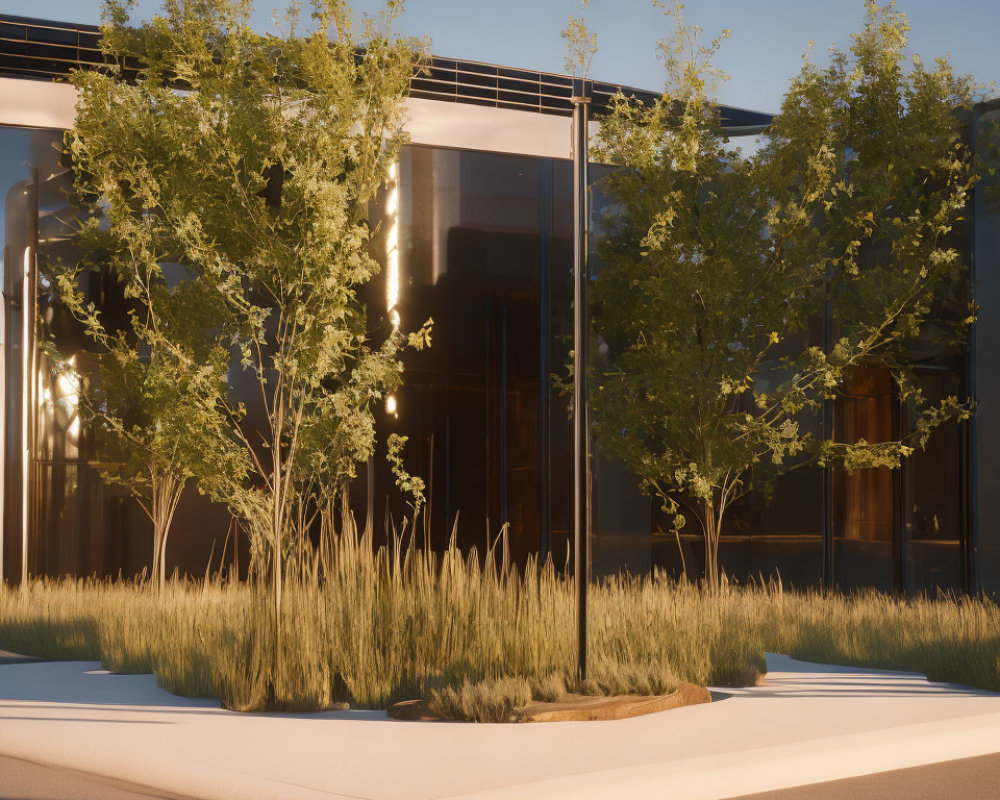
{"x": 768, "y": 36}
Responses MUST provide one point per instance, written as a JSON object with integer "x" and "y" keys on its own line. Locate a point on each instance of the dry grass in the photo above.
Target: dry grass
{"x": 491, "y": 700}
{"x": 954, "y": 640}
{"x": 479, "y": 639}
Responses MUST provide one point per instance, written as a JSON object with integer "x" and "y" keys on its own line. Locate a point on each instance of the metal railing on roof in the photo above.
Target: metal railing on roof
{"x": 45, "y": 50}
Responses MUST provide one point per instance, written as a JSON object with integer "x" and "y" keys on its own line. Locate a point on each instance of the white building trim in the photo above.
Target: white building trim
{"x": 44, "y": 104}
{"x": 36, "y": 104}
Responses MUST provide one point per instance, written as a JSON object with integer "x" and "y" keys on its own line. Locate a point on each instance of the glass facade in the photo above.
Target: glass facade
{"x": 485, "y": 251}
{"x": 985, "y": 377}
{"x": 934, "y": 505}
{"x": 60, "y": 526}
{"x": 483, "y": 245}
{"x": 864, "y": 511}
{"x": 470, "y": 234}
{"x": 64, "y": 520}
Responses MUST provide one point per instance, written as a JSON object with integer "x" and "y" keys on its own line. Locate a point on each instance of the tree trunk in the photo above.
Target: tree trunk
{"x": 157, "y": 550}
{"x": 163, "y": 557}
{"x": 710, "y": 530}
{"x": 166, "y": 493}
{"x": 276, "y": 569}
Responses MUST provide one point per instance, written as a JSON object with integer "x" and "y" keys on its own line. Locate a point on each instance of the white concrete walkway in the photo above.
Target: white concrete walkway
{"x": 809, "y": 723}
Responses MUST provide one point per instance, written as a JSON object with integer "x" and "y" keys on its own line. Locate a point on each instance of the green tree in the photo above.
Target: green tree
{"x": 716, "y": 262}
{"x": 251, "y": 160}
{"x": 151, "y": 437}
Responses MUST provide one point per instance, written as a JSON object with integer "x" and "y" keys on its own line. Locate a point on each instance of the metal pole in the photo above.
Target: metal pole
{"x": 970, "y": 440}
{"x": 27, "y": 401}
{"x": 581, "y": 413}
{"x": 828, "y": 572}
{"x": 544, "y": 363}
{"x": 3, "y": 423}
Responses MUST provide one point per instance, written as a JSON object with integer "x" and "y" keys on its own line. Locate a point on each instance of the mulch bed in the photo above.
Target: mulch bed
{"x": 576, "y": 707}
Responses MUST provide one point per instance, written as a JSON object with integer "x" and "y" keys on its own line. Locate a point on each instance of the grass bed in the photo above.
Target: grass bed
{"x": 479, "y": 641}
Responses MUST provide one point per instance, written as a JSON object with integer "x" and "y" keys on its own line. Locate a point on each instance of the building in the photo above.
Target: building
{"x": 484, "y": 232}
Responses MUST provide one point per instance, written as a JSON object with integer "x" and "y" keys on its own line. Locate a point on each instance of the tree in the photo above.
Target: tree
{"x": 160, "y": 370}
{"x": 152, "y": 433}
{"x": 716, "y": 262}
{"x": 251, "y": 160}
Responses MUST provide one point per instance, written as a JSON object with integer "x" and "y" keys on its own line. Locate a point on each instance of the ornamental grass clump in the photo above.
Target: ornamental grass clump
{"x": 387, "y": 624}
{"x": 494, "y": 700}
{"x": 477, "y": 637}
{"x": 52, "y": 619}
{"x": 953, "y": 639}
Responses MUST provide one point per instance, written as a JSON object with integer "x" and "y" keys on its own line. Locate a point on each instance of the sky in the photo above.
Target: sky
{"x": 763, "y": 53}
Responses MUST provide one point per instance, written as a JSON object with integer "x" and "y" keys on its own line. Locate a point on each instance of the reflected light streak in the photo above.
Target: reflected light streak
{"x": 68, "y": 394}
{"x": 62, "y": 403}
{"x": 392, "y": 243}
{"x": 392, "y": 263}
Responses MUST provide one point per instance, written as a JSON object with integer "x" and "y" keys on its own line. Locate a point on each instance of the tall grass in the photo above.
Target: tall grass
{"x": 385, "y": 624}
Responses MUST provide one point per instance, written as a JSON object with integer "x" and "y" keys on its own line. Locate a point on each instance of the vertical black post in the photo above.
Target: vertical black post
{"x": 488, "y": 428}
{"x": 544, "y": 359}
{"x": 900, "y": 578}
{"x": 581, "y": 414}
{"x": 828, "y": 575}
{"x": 504, "y": 454}
{"x": 448, "y": 521}
{"x": 970, "y": 440}
{"x": 5, "y": 336}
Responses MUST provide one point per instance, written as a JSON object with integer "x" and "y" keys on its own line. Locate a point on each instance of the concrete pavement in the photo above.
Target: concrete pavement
{"x": 25, "y": 780}
{"x": 16, "y": 658}
{"x": 967, "y": 779}
{"x": 809, "y": 723}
